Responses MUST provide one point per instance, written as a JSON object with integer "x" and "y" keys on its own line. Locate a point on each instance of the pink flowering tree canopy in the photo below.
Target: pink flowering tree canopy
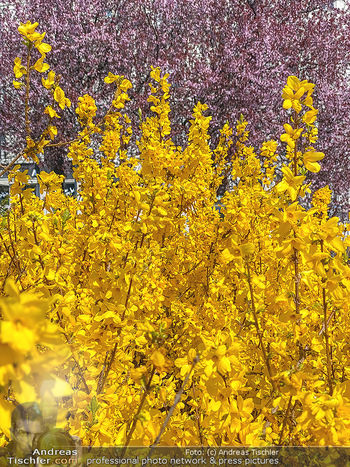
{"x": 233, "y": 55}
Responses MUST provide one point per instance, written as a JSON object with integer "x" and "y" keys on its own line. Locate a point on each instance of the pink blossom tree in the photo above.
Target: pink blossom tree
{"x": 234, "y": 55}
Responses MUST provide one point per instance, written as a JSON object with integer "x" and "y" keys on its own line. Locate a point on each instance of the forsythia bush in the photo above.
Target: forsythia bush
{"x": 138, "y": 290}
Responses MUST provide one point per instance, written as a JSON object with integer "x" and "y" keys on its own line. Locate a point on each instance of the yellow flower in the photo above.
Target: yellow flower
{"x": 40, "y": 66}
{"x": 310, "y": 159}
{"x": 290, "y": 182}
{"x": 322, "y": 198}
{"x": 291, "y": 135}
{"x": 185, "y": 364}
{"x": 19, "y": 69}
{"x": 86, "y": 109}
{"x": 159, "y": 360}
{"x": 268, "y": 148}
{"x": 28, "y": 30}
{"x": 60, "y": 98}
{"x": 52, "y": 130}
{"x": 51, "y": 112}
{"x": 310, "y": 116}
{"x": 111, "y": 78}
{"x": 42, "y": 47}
{"x": 291, "y": 99}
{"x": 17, "y": 84}
{"x": 49, "y": 82}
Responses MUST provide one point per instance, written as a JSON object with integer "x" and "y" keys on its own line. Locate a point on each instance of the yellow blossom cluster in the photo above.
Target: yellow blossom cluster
{"x": 244, "y": 313}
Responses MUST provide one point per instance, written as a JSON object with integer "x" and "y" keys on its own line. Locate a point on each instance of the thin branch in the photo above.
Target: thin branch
{"x": 197, "y": 416}
{"x": 285, "y": 420}
{"x": 136, "y": 417}
{"x": 176, "y": 401}
{"x": 259, "y": 331}
{"x": 8, "y": 166}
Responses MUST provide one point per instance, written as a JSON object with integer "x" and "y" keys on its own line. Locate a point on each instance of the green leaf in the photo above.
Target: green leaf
{"x": 65, "y": 216}
{"x": 94, "y": 406}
